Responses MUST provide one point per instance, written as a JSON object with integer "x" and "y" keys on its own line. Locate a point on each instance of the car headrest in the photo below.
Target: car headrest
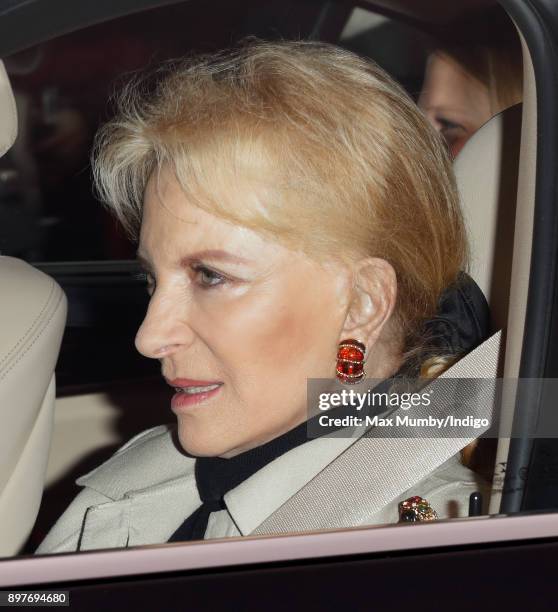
{"x": 8, "y": 112}
{"x": 486, "y": 170}
{"x": 34, "y": 311}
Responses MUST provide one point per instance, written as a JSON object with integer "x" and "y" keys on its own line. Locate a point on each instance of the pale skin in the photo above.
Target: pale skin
{"x": 455, "y": 103}
{"x": 262, "y": 325}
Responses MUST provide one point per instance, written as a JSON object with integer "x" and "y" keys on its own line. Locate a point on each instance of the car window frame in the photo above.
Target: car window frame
{"x": 533, "y": 18}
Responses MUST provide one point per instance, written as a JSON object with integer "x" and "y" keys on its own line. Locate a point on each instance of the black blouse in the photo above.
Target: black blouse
{"x": 216, "y": 476}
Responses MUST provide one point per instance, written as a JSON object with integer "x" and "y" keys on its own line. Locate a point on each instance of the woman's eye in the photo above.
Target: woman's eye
{"x": 454, "y": 134}
{"x": 149, "y": 283}
{"x": 147, "y": 279}
{"x": 208, "y": 278}
{"x": 451, "y": 131}
{"x": 446, "y": 124}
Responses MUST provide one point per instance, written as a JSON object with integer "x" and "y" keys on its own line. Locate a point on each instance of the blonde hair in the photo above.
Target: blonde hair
{"x": 499, "y": 67}
{"x": 339, "y": 161}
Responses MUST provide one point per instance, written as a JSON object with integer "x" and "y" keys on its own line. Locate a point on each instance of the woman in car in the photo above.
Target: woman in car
{"x": 473, "y": 78}
{"x": 298, "y": 219}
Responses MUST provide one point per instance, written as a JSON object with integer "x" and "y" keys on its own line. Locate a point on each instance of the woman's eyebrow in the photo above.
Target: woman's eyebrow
{"x": 446, "y": 109}
{"x": 216, "y": 254}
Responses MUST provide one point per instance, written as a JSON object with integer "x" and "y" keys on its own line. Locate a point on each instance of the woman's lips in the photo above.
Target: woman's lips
{"x": 189, "y": 382}
{"x": 180, "y": 401}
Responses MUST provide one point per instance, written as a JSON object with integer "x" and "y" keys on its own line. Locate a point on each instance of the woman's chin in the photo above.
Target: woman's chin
{"x": 200, "y": 443}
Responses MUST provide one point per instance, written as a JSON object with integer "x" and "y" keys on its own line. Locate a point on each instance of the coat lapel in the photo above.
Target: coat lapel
{"x": 147, "y": 516}
{"x": 152, "y": 486}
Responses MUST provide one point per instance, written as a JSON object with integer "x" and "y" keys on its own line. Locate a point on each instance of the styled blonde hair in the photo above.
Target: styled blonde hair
{"x": 338, "y": 160}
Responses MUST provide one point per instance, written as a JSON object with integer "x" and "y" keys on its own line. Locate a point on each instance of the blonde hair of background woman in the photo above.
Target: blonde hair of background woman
{"x": 340, "y": 161}
{"x": 499, "y": 67}
{"x": 486, "y": 46}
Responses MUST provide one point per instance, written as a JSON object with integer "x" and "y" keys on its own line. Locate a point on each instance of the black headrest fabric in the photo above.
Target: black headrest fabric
{"x": 463, "y": 318}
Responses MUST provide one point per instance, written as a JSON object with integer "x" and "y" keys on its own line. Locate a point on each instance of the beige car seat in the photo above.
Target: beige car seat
{"x": 487, "y": 178}
{"x": 33, "y": 317}
{"x": 487, "y": 170}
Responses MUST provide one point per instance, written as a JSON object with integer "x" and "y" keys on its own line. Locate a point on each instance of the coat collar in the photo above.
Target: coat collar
{"x": 151, "y": 485}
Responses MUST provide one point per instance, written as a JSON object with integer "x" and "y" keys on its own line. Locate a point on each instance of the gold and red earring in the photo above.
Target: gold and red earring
{"x": 350, "y": 361}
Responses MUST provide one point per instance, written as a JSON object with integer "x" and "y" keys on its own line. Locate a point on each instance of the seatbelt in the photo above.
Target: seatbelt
{"x": 375, "y": 469}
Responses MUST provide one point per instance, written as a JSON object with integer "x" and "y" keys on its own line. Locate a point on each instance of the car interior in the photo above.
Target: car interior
{"x": 56, "y": 426}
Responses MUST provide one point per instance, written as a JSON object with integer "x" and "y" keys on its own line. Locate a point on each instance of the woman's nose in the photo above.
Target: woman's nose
{"x": 162, "y": 331}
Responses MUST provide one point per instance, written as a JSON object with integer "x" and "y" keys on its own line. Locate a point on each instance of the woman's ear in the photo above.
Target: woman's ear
{"x": 374, "y": 292}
